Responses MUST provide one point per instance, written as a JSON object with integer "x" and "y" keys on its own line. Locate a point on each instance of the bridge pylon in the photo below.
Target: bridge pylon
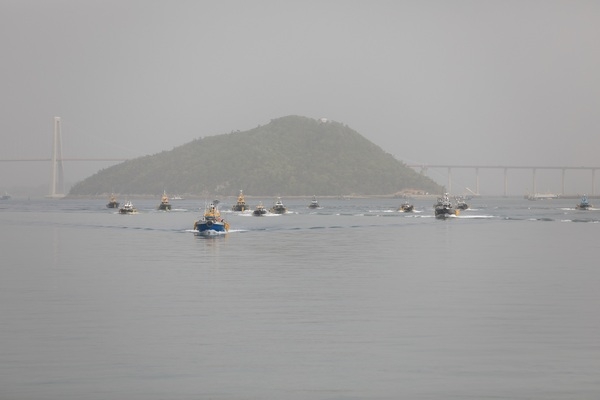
{"x": 57, "y": 181}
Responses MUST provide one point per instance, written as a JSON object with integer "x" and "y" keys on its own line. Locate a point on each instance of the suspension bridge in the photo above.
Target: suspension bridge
{"x": 57, "y": 182}
{"x": 422, "y": 168}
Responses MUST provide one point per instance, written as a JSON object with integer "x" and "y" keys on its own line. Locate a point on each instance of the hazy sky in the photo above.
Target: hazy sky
{"x": 447, "y": 82}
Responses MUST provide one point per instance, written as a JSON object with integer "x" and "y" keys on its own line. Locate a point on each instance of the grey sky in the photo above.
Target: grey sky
{"x": 488, "y": 82}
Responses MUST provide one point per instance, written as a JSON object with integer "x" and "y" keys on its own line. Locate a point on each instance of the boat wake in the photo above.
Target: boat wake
{"x": 475, "y": 216}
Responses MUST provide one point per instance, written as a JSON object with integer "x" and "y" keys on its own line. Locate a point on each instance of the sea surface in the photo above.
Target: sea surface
{"x": 354, "y": 300}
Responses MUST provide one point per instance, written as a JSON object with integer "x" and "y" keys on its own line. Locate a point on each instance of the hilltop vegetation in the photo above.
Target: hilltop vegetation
{"x": 290, "y": 156}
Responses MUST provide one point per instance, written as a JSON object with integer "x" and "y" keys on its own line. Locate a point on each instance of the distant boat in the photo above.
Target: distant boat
{"x": 128, "y": 208}
{"x": 5, "y": 196}
{"x": 278, "y": 207}
{"x": 406, "y": 207}
{"x": 259, "y": 210}
{"x": 461, "y": 204}
{"x": 211, "y": 222}
{"x": 164, "y": 202}
{"x": 584, "y": 204}
{"x": 177, "y": 197}
{"x": 314, "y": 203}
{"x": 541, "y": 196}
{"x": 443, "y": 208}
{"x": 112, "y": 202}
{"x": 471, "y": 194}
{"x": 241, "y": 203}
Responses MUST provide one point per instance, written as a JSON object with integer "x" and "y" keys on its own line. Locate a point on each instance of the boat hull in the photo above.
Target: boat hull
{"x": 164, "y": 207}
{"x": 208, "y": 228}
{"x": 444, "y": 212}
{"x": 239, "y": 208}
{"x": 113, "y": 205}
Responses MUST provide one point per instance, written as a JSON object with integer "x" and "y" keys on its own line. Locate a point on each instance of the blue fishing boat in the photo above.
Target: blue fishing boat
{"x": 584, "y": 204}
{"x": 211, "y": 222}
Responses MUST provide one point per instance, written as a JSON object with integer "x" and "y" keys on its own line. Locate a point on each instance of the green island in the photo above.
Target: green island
{"x": 290, "y": 156}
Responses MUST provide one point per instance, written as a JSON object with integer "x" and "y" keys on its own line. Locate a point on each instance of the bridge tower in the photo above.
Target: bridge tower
{"x": 57, "y": 184}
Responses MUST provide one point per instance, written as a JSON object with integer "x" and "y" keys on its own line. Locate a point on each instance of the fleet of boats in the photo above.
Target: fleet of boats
{"x": 212, "y": 223}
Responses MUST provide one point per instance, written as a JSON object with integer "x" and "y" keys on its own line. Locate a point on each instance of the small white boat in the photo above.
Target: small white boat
{"x": 128, "y": 208}
{"x": 314, "y": 203}
{"x": 541, "y": 196}
{"x": 278, "y": 207}
{"x": 461, "y": 204}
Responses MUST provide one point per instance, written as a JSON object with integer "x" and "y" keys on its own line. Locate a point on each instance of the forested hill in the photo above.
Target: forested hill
{"x": 290, "y": 156}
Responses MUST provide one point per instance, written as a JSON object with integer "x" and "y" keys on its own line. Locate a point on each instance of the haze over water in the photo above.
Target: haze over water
{"x": 431, "y": 82}
{"x": 352, "y": 301}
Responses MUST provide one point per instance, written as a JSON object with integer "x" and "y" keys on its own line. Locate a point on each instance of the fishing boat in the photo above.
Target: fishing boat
{"x": 406, "y": 207}
{"x": 584, "y": 204}
{"x": 128, "y": 208}
{"x": 259, "y": 210}
{"x": 443, "y": 208}
{"x": 278, "y": 207}
{"x": 241, "y": 203}
{"x": 461, "y": 204}
{"x": 314, "y": 203}
{"x": 112, "y": 202}
{"x": 164, "y": 202}
{"x": 211, "y": 222}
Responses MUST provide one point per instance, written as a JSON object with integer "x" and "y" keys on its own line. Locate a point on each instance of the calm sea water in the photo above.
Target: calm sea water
{"x": 351, "y": 301}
